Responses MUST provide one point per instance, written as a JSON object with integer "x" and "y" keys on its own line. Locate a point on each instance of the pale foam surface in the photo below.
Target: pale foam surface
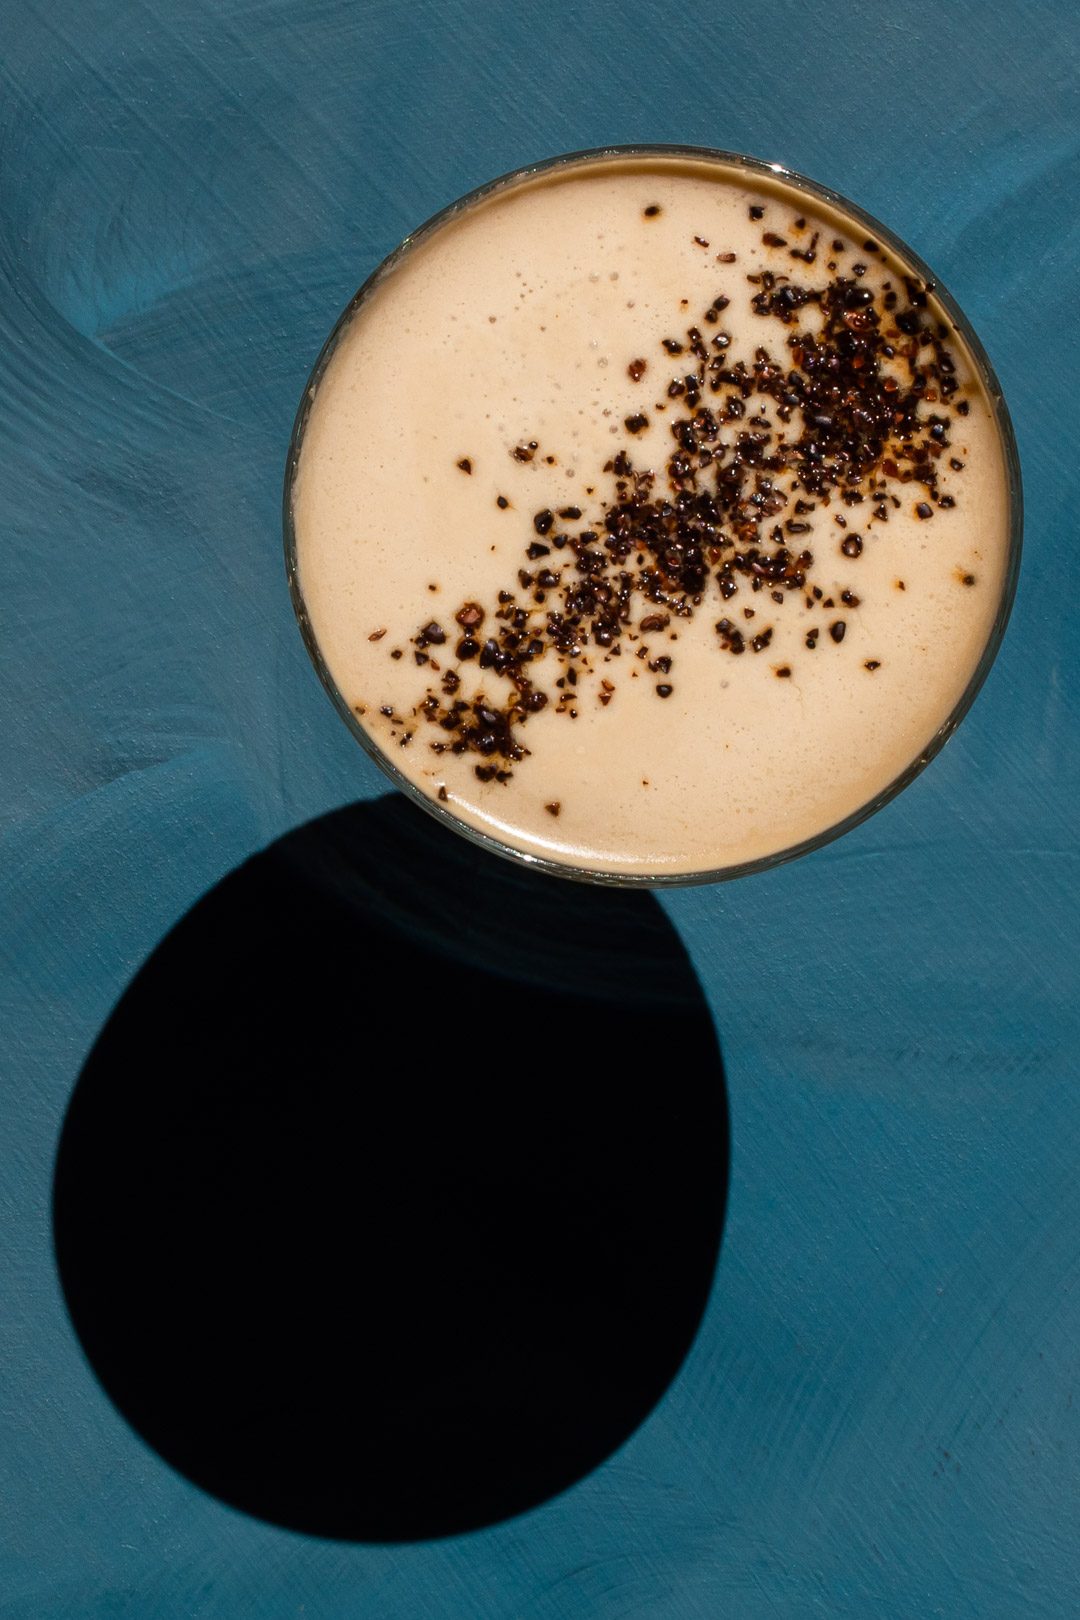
{"x": 515, "y": 322}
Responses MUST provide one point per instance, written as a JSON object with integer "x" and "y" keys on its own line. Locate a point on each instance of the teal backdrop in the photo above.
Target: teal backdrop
{"x": 877, "y": 1417}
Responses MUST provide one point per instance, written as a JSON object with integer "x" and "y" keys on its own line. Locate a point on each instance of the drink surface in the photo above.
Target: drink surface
{"x": 651, "y": 517}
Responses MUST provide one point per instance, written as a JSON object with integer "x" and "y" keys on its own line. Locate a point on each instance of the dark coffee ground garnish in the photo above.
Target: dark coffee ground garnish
{"x": 843, "y": 409}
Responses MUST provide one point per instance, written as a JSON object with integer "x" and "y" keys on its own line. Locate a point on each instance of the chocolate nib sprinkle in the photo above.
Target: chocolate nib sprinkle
{"x": 849, "y": 402}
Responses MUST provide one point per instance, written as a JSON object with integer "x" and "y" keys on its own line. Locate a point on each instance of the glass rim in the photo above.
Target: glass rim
{"x": 813, "y": 189}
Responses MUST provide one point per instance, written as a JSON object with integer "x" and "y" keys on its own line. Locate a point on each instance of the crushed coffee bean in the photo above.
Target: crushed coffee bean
{"x": 835, "y": 412}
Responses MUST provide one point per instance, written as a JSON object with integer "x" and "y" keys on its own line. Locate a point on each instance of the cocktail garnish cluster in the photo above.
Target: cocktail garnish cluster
{"x": 842, "y": 417}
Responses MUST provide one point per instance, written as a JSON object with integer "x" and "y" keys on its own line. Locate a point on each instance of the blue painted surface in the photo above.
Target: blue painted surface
{"x": 878, "y": 1417}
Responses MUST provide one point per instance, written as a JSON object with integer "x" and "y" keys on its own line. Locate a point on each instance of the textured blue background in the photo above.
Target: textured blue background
{"x": 878, "y": 1416}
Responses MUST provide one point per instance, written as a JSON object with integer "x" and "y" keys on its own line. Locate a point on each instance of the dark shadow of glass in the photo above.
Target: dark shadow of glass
{"x": 389, "y": 1199}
